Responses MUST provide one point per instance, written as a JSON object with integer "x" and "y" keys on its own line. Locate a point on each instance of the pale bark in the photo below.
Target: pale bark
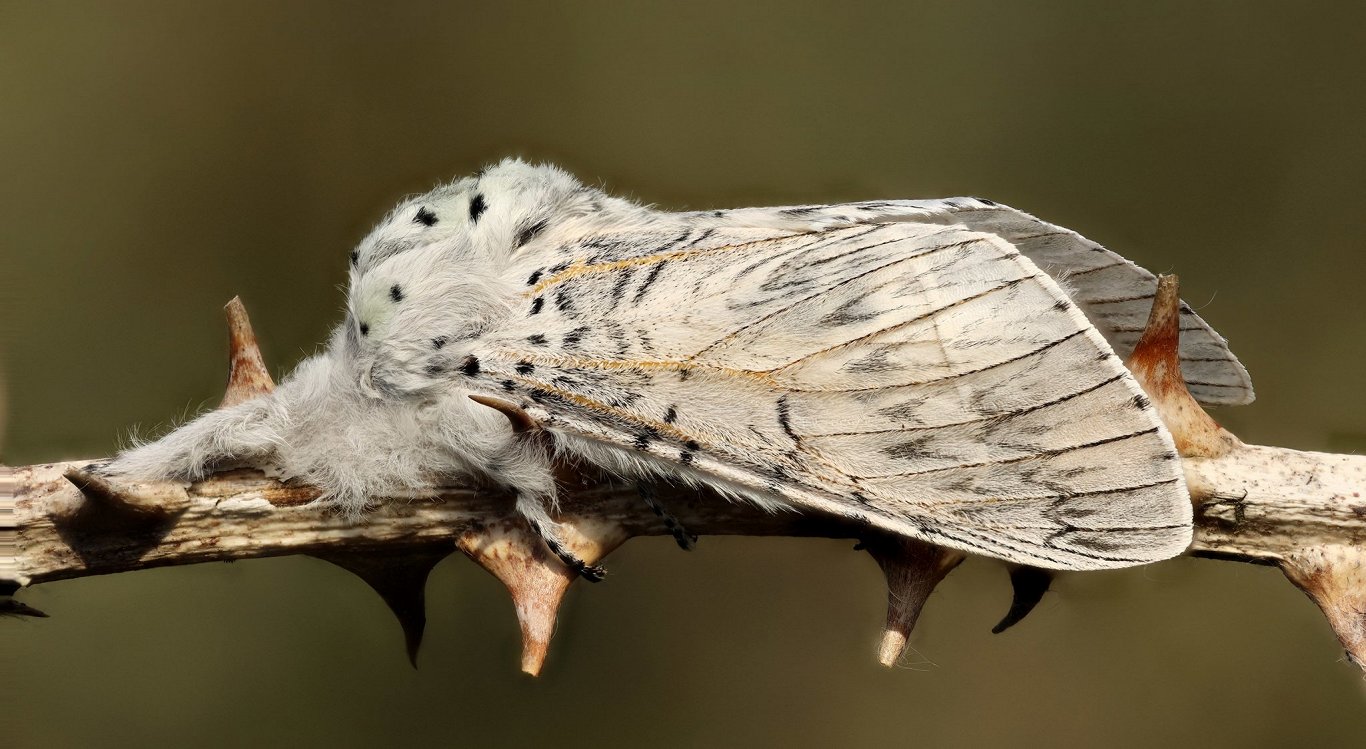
{"x": 1301, "y": 511}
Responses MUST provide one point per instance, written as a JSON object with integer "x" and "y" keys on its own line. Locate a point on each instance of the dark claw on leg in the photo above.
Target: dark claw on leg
{"x": 684, "y": 539}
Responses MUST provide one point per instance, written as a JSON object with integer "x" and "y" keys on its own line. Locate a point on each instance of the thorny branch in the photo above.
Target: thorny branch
{"x": 1300, "y": 511}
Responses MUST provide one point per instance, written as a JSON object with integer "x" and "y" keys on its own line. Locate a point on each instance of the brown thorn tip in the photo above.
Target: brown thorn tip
{"x": 1334, "y": 577}
{"x": 1156, "y": 364}
{"x": 536, "y": 580}
{"x": 521, "y": 420}
{"x": 247, "y": 374}
{"x": 1028, "y": 584}
{"x": 913, "y": 569}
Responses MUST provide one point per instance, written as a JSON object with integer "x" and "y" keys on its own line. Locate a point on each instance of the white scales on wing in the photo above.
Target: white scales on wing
{"x": 944, "y": 370}
{"x": 924, "y": 378}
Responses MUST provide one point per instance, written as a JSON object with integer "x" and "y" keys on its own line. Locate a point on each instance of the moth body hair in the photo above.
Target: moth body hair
{"x": 943, "y": 369}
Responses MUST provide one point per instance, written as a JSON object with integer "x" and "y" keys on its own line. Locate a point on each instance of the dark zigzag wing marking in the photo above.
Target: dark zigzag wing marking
{"x": 730, "y": 423}
{"x": 1096, "y": 275}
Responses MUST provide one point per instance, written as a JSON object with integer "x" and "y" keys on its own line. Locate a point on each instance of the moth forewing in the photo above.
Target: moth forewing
{"x": 908, "y": 376}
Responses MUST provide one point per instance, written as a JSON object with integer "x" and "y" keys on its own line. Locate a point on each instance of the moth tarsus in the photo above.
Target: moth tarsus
{"x": 681, "y": 536}
{"x": 942, "y": 370}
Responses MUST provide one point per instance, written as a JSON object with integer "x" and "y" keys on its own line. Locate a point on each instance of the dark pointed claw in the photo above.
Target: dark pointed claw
{"x": 1029, "y": 584}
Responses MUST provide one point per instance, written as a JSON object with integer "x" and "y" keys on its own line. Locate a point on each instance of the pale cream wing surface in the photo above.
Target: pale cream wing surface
{"x": 927, "y": 379}
{"x": 1115, "y": 294}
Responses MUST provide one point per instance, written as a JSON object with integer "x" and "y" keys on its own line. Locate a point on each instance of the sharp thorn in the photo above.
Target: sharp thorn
{"x": 247, "y": 374}
{"x": 11, "y": 607}
{"x": 151, "y": 502}
{"x": 1156, "y": 364}
{"x": 1028, "y": 585}
{"x": 913, "y": 569}
{"x": 400, "y": 579}
{"x": 521, "y": 420}
{"x": 1334, "y": 577}
{"x": 536, "y": 579}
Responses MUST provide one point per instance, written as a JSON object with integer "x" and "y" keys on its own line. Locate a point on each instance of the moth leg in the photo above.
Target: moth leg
{"x": 682, "y": 537}
{"x": 533, "y": 509}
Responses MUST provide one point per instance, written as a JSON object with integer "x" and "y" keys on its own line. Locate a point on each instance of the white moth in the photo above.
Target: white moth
{"x": 948, "y": 369}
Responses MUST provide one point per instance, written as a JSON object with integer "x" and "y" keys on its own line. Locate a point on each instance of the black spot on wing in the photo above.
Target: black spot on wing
{"x": 619, "y": 287}
{"x": 644, "y": 439}
{"x": 785, "y": 418}
{"x": 534, "y": 278}
{"x": 477, "y": 208}
{"x": 671, "y": 415}
{"x": 537, "y": 339}
{"x": 396, "y": 293}
{"x": 573, "y": 337}
{"x": 525, "y": 368}
{"x": 650, "y": 279}
{"x": 439, "y": 341}
{"x": 564, "y": 300}
{"x": 424, "y": 217}
{"x": 536, "y": 305}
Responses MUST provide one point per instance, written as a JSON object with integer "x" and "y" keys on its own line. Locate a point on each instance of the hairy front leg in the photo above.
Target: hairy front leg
{"x": 241, "y": 433}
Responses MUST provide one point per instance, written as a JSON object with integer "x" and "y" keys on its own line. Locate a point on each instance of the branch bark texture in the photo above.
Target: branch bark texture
{"x": 1301, "y": 511}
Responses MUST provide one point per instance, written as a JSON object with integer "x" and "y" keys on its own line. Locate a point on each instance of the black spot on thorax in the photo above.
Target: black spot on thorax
{"x": 471, "y": 366}
{"x": 477, "y": 207}
{"x": 424, "y": 217}
{"x": 529, "y": 233}
{"x": 396, "y": 293}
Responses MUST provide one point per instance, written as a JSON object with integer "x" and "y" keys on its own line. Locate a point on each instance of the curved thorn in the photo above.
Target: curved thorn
{"x": 536, "y": 579}
{"x": 913, "y": 568}
{"x": 1334, "y": 577}
{"x": 133, "y": 499}
{"x": 11, "y": 607}
{"x": 1028, "y": 584}
{"x": 247, "y": 375}
{"x": 521, "y": 420}
{"x": 401, "y": 582}
{"x": 1156, "y": 364}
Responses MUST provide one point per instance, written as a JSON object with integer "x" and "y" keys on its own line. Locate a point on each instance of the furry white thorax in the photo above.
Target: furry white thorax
{"x": 916, "y": 366}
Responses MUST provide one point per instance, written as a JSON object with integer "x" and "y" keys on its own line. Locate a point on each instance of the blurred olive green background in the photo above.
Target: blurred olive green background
{"x": 157, "y": 158}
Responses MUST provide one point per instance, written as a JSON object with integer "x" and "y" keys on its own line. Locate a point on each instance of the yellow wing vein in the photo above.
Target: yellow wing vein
{"x": 927, "y": 316}
{"x": 938, "y": 248}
